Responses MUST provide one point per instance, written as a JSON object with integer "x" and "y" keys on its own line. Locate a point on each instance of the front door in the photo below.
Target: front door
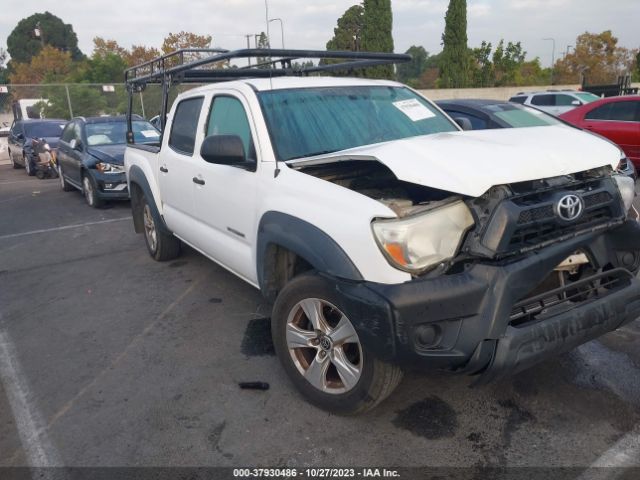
{"x": 225, "y": 198}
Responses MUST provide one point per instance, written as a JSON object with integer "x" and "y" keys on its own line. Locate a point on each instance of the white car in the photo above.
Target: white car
{"x": 385, "y": 235}
{"x": 554, "y": 102}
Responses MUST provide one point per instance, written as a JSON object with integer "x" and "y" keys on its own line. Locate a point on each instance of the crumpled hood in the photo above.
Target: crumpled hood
{"x": 470, "y": 163}
{"x": 108, "y": 153}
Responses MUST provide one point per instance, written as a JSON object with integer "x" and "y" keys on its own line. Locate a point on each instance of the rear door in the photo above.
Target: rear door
{"x": 620, "y": 123}
{"x": 225, "y": 197}
{"x": 176, "y": 168}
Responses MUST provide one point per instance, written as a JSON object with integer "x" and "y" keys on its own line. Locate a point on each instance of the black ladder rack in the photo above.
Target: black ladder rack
{"x": 198, "y": 65}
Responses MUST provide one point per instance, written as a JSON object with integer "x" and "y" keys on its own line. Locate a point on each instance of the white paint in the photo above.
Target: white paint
{"x": 37, "y": 447}
{"x": 611, "y": 464}
{"x": 65, "y": 227}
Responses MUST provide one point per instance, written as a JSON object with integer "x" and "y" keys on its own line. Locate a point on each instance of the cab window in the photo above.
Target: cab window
{"x": 228, "y": 117}
{"x": 185, "y": 125}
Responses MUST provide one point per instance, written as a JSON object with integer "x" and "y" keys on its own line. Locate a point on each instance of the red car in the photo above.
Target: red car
{"x": 616, "y": 118}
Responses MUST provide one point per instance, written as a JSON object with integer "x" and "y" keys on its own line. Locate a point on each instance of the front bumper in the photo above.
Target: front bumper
{"x": 464, "y": 322}
{"x": 111, "y": 186}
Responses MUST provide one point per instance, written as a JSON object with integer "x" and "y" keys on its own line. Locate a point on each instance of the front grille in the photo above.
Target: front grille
{"x": 535, "y": 214}
{"x": 541, "y": 232}
{"x": 596, "y": 199}
{"x": 568, "y": 296}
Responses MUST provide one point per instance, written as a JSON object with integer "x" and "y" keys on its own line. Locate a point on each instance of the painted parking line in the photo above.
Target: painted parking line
{"x": 612, "y": 463}
{"x": 64, "y": 227}
{"x": 37, "y": 447}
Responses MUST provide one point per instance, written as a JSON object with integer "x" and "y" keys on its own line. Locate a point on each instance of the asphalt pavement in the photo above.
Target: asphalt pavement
{"x": 108, "y": 358}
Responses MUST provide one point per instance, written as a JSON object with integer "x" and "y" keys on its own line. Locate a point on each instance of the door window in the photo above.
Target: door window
{"x": 543, "y": 100}
{"x": 564, "y": 100}
{"x": 185, "y": 125}
{"x": 68, "y": 132}
{"x": 228, "y": 117}
{"x": 617, "y": 111}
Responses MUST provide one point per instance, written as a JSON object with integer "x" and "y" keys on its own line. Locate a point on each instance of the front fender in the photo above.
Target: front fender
{"x": 137, "y": 177}
{"x": 305, "y": 240}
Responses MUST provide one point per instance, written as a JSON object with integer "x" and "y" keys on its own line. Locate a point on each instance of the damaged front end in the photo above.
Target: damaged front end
{"x": 540, "y": 267}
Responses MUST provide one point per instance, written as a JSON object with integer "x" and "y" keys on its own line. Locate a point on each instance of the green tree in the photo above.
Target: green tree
{"x": 263, "y": 42}
{"x": 4, "y": 74}
{"x": 481, "y": 70}
{"x": 454, "y": 67}
{"x": 507, "y": 62}
{"x": 348, "y": 33}
{"x": 377, "y": 34}
{"x": 23, "y": 44}
{"x": 410, "y": 72}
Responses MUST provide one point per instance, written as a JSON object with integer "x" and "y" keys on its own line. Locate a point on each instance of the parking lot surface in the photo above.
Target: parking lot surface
{"x": 108, "y": 358}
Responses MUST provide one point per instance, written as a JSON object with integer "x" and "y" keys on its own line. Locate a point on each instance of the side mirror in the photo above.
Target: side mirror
{"x": 464, "y": 123}
{"x": 223, "y": 150}
{"x": 576, "y": 103}
{"x": 76, "y": 144}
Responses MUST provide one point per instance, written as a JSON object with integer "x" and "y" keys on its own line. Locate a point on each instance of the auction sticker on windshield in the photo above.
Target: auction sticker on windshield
{"x": 149, "y": 133}
{"x": 414, "y": 109}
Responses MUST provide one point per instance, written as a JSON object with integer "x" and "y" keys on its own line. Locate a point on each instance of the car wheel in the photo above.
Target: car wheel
{"x": 161, "y": 245}
{"x": 66, "y": 186}
{"x": 27, "y": 165}
{"x": 90, "y": 191}
{"x": 13, "y": 161}
{"x": 319, "y": 349}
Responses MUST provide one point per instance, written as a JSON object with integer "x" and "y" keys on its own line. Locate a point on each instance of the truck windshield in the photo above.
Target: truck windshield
{"x": 312, "y": 121}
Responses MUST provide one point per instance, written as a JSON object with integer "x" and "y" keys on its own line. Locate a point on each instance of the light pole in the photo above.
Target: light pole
{"x": 567, "y": 52}
{"x": 281, "y": 28}
{"x": 553, "y": 55}
{"x": 266, "y": 17}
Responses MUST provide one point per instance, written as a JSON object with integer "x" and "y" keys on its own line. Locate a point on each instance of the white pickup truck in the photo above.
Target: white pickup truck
{"x": 386, "y": 237}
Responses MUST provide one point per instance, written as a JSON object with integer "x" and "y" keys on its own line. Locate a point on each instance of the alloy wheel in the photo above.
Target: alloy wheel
{"x": 150, "y": 229}
{"x": 324, "y": 346}
{"x": 87, "y": 187}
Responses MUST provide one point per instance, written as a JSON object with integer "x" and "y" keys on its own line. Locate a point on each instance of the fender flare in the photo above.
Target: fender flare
{"x": 136, "y": 176}
{"x": 305, "y": 240}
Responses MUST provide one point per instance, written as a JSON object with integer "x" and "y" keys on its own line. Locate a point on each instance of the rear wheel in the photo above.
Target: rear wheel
{"x": 90, "y": 191}
{"x": 13, "y": 161}
{"x": 63, "y": 183}
{"x": 161, "y": 245}
{"x": 321, "y": 352}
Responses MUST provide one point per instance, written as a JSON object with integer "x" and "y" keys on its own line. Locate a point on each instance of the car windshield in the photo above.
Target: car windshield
{"x": 43, "y": 129}
{"x": 115, "y": 133}
{"x": 518, "y": 116}
{"x": 587, "y": 97}
{"x": 313, "y": 121}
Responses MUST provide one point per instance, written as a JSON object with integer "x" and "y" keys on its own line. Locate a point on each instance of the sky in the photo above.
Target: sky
{"x": 309, "y": 23}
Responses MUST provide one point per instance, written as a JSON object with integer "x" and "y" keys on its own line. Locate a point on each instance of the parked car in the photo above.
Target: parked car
{"x": 22, "y": 136}
{"x": 384, "y": 235}
{"x": 91, "y": 156}
{"x": 481, "y": 114}
{"x": 616, "y": 118}
{"x": 486, "y": 114}
{"x": 555, "y": 102}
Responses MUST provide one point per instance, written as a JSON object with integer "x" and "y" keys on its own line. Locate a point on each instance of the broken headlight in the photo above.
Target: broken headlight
{"x": 420, "y": 242}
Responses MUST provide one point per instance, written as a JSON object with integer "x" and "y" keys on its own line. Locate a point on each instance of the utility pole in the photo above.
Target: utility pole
{"x": 266, "y": 17}
{"x": 248, "y": 36}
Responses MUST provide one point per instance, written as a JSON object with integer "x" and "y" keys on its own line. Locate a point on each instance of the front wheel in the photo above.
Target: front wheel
{"x": 90, "y": 191}
{"x": 321, "y": 352}
{"x": 27, "y": 165}
{"x": 161, "y": 245}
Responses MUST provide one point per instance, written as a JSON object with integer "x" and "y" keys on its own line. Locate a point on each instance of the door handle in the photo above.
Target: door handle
{"x": 199, "y": 181}
{"x": 164, "y": 169}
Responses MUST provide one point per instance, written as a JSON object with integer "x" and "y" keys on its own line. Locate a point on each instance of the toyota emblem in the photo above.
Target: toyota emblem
{"x": 569, "y": 207}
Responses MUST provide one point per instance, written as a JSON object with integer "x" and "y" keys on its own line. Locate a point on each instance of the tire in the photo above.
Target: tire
{"x": 27, "y": 166}
{"x": 13, "y": 161}
{"x": 90, "y": 191}
{"x": 348, "y": 379}
{"x": 161, "y": 245}
{"x": 66, "y": 186}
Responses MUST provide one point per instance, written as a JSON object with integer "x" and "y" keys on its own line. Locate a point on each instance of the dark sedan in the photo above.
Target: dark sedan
{"x": 91, "y": 156}
{"x": 24, "y": 135}
{"x": 480, "y": 114}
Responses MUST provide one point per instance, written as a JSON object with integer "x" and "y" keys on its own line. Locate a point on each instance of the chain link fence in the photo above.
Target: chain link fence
{"x": 66, "y": 101}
